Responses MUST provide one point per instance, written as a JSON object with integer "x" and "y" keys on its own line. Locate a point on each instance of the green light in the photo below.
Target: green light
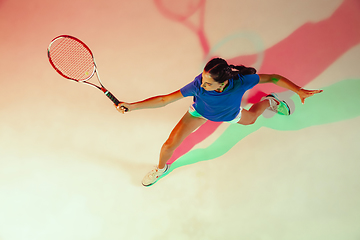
{"x": 338, "y": 102}
{"x": 274, "y": 80}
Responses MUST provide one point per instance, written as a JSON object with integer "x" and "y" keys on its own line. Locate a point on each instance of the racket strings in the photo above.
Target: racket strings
{"x": 72, "y": 59}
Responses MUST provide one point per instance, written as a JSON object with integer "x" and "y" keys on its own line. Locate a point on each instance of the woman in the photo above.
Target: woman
{"x": 217, "y": 93}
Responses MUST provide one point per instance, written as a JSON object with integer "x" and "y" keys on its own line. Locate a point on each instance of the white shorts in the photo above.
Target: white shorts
{"x": 194, "y": 113}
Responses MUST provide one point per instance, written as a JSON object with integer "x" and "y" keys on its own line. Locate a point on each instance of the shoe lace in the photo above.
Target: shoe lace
{"x": 273, "y": 105}
{"x": 153, "y": 172}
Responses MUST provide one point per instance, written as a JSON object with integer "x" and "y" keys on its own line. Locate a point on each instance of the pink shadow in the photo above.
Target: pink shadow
{"x": 301, "y": 57}
{"x": 307, "y": 52}
{"x": 198, "y": 136}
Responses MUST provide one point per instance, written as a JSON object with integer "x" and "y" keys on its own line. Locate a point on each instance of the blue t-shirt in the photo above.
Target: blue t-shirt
{"x": 216, "y": 106}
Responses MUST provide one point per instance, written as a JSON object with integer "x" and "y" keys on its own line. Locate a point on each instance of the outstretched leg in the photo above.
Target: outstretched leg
{"x": 183, "y": 129}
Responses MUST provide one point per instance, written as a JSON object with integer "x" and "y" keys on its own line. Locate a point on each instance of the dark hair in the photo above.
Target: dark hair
{"x": 221, "y": 71}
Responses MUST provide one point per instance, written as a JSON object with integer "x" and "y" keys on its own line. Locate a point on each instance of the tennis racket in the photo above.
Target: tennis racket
{"x": 184, "y": 12}
{"x": 73, "y": 60}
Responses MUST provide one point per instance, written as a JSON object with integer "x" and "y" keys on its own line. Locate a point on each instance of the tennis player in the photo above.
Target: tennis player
{"x": 217, "y": 93}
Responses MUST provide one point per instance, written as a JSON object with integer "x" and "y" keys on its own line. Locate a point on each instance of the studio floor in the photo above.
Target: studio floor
{"x": 71, "y": 165}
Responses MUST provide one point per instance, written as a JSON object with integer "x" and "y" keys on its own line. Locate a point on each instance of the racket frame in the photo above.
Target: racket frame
{"x": 94, "y": 72}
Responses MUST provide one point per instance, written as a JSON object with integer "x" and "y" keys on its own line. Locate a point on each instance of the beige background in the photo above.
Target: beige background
{"x": 71, "y": 165}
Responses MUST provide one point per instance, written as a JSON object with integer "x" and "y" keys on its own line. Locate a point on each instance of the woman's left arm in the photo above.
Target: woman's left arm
{"x": 286, "y": 83}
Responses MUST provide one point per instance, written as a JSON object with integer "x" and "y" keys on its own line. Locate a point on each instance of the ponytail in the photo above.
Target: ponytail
{"x": 220, "y": 70}
{"x": 242, "y": 70}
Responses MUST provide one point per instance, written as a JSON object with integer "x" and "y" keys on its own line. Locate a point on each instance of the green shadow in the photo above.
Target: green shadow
{"x": 338, "y": 102}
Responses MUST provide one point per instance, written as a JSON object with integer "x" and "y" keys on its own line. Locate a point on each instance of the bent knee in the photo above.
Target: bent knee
{"x": 247, "y": 122}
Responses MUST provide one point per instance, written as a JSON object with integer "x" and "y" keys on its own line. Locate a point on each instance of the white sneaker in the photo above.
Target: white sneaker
{"x": 154, "y": 175}
{"x": 277, "y": 105}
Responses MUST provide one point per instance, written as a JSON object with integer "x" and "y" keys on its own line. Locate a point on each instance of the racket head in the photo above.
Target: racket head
{"x": 71, "y": 58}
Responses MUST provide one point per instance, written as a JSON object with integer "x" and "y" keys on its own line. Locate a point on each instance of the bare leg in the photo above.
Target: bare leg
{"x": 183, "y": 129}
{"x": 249, "y": 116}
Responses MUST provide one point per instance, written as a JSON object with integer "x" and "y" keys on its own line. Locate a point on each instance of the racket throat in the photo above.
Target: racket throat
{"x": 104, "y": 90}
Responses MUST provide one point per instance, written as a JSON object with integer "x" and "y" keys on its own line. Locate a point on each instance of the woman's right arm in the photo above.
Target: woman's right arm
{"x": 153, "y": 102}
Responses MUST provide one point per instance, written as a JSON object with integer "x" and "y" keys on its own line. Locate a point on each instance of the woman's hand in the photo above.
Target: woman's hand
{"x": 303, "y": 94}
{"x": 123, "y": 107}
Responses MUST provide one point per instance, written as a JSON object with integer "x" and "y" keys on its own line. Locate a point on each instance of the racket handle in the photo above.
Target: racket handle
{"x": 114, "y": 99}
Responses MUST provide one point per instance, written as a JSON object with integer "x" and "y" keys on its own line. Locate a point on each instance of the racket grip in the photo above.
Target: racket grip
{"x": 114, "y": 99}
